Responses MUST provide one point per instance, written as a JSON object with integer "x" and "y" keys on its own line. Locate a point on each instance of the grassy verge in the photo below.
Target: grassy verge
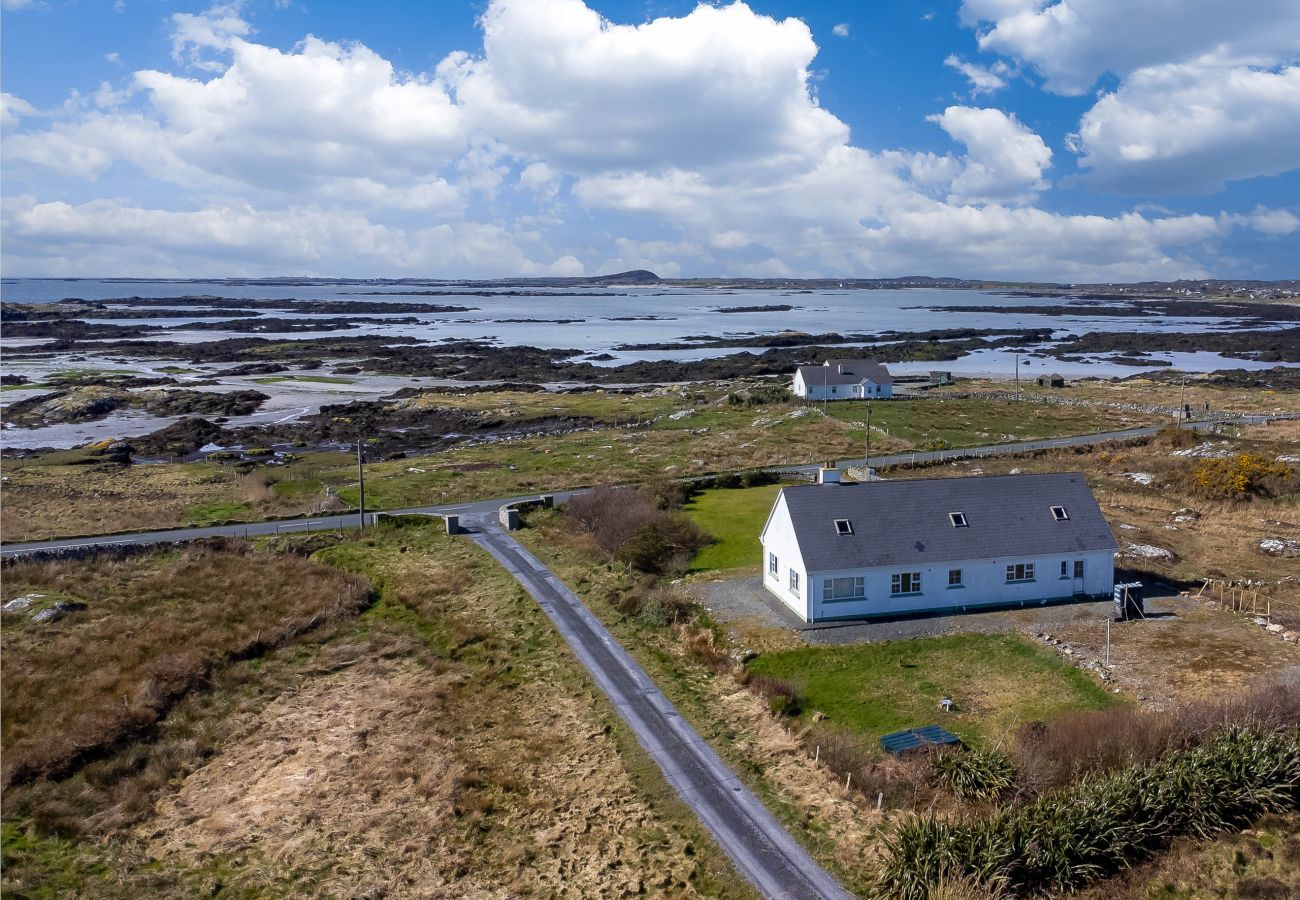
{"x": 996, "y": 681}
{"x": 836, "y": 826}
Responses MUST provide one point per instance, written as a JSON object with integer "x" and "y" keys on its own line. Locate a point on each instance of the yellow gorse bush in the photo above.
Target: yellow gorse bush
{"x": 1241, "y": 476}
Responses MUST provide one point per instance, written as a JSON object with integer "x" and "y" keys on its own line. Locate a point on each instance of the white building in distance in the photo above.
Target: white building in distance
{"x": 843, "y": 379}
{"x": 883, "y": 549}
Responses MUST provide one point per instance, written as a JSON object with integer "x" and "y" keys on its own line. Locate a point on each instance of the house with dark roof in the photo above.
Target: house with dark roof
{"x": 1052, "y": 381}
{"x": 883, "y": 549}
{"x": 843, "y": 379}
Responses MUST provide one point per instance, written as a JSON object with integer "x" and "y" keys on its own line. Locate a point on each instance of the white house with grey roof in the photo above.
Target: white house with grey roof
{"x": 843, "y": 379}
{"x": 891, "y": 548}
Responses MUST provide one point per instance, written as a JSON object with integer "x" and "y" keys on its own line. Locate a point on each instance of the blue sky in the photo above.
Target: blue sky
{"x": 1069, "y": 140}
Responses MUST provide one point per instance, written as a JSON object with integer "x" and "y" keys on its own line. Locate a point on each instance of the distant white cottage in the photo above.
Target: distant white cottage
{"x": 890, "y": 548}
{"x": 843, "y": 379}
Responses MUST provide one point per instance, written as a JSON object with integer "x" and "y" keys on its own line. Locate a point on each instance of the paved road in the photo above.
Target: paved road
{"x": 762, "y": 850}
{"x": 482, "y": 507}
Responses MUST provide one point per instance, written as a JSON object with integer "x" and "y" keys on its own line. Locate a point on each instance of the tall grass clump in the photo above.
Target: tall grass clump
{"x": 977, "y": 775}
{"x": 1068, "y": 838}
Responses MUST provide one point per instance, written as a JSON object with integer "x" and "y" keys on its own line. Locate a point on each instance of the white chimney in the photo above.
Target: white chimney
{"x": 828, "y": 475}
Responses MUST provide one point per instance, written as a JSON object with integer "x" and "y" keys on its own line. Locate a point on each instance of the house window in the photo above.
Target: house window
{"x": 794, "y": 582}
{"x": 772, "y": 566}
{"x": 1078, "y": 568}
{"x": 902, "y": 583}
{"x": 1059, "y": 513}
{"x": 843, "y": 526}
{"x": 851, "y": 588}
{"x": 958, "y": 519}
{"x": 1065, "y": 569}
{"x": 954, "y": 578}
{"x": 1020, "y": 572}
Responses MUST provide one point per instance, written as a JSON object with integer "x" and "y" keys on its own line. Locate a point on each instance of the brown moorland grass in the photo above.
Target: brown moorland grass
{"x": 443, "y": 744}
{"x": 154, "y": 628}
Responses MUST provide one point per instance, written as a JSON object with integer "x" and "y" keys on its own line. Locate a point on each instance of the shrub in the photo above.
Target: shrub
{"x": 974, "y": 774}
{"x": 629, "y": 525}
{"x": 1242, "y": 476}
{"x": 1066, "y": 839}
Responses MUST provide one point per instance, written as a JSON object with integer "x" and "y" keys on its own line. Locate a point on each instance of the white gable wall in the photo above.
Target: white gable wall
{"x": 778, "y": 538}
{"x": 815, "y": 390}
{"x": 983, "y": 584}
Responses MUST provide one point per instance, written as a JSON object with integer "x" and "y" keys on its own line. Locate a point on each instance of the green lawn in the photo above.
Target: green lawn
{"x": 734, "y": 517}
{"x": 997, "y": 681}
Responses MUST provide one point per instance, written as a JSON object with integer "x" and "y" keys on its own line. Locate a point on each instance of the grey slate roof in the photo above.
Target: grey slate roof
{"x": 902, "y": 523}
{"x": 846, "y": 371}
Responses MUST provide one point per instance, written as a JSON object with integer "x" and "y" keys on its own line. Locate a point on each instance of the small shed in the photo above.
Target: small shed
{"x": 940, "y": 378}
{"x": 1052, "y": 381}
{"x": 923, "y": 738}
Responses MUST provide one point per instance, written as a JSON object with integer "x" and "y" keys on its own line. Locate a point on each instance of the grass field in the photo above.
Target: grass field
{"x": 972, "y": 422}
{"x": 997, "y": 683}
{"x": 442, "y": 743}
{"x": 734, "y": 517}
{"x": 695, "y": 431}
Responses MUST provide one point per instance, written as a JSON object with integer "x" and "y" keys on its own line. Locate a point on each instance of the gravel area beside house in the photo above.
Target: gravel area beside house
{"x": 745, "y": 598}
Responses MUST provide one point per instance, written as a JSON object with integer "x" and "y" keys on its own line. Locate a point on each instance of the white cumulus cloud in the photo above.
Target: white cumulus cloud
{"x": 983, "y": 79}
{"x": 1004, "y": 160}
{"x": 1072, "y": 43}
{"x": 1192, "y": 128}
{"x": 719, "y": 86}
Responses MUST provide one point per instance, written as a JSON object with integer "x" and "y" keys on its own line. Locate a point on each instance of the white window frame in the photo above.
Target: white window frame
{"x": 958, "y": 520}
{"x": 773, "y": 565}
{"x": 857, "y": 590}
{"x": 794, "y": 582}
{"x": 1059, "y": 513}
{"x": 961, "y": 578}
{"x": 1018, "y": 573}
{"x": 1065, "y": 568}
{"x": 1078, "y": 568}
{"x": 843, "y": 527}
{"x": 896, "y": 583}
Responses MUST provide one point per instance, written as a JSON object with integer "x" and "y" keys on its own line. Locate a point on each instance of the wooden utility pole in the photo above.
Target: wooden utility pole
{"x": 868, "y": 459}
{"x": 361, "y": 482}
{"x": 1182, "y": 399}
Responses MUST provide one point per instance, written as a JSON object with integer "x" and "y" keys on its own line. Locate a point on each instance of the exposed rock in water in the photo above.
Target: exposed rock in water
{"x": 181, "y": 438}
{"x": 86, "y": 404}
